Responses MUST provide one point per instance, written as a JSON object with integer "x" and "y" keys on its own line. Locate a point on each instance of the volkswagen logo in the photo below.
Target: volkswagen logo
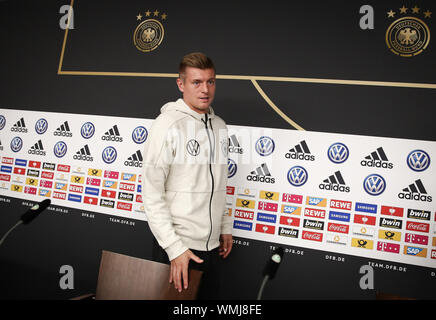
{"x": 41, "y": 126}
{"x": 139, "y": 135}
{"x": 193, "y": 147}
{"x": 109, "y": 155}
{"x": 232, "y": 168}
{"x": 297, "y": 176}
{"x": 2, "y": 122}
{"x": 60, "y": 149}
{"x": 265, "y": 146}
{"x": 418, "y": 160}
{"x": 338, "y": 152}
{"x": 16, "y": 144}
{"x": 87, "y": 130}
{"x": 374, "y": 184}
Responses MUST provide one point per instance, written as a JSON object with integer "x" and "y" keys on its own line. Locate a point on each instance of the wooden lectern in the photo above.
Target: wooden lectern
{"x": 123, "y": 277}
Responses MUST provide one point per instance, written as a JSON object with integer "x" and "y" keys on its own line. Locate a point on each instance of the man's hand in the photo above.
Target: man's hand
{"x": 179, "y": 269}
{"x": 226, "y": 243}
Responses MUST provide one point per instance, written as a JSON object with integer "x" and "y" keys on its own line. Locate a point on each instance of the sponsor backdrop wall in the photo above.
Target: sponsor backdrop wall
{"x": 331, "y": 143}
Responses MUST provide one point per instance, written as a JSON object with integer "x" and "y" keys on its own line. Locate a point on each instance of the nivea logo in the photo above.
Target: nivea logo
{"x": 418, "y": 160}
{"x": 232, "y": 168}
{"x": 265, "y": 146}
{"x": 87, "y": 130}
{"x": 109, "y": 155}
{"x": 16, "y": 144}
{"x": 139, "y": 135}
{"x": 41, "y": 126}
{"x": 338, "y": 152}
{"x": 60, "y": 149}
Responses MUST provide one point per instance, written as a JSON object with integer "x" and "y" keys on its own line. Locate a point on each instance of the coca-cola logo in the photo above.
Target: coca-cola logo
{"x": 314, "y": 236}
{"x": 335, "y": 227}
{"x": 416, "y": 226}
{"x": 63, "y": 168}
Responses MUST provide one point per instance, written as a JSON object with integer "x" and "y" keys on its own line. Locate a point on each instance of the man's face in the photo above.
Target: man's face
{"x": 198, "y": 88}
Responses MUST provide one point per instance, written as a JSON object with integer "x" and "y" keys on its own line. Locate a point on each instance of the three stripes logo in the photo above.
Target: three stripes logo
{"x": 63, "y": 130}
{"x": 19, "y": 126}
{"x": 301, "y": 152}
{"x": 112, "y": 135}
{"x": 234, "y": 146}
{"x": 83, "y": 154}
{"x": 377, "y": 159}
{"x": 335, "y": 182}
{"x": 37, "y": 149}
{"x": 415, "y": 191}
{"x": 135, "y": 160}
{"x": 261, "y": 174}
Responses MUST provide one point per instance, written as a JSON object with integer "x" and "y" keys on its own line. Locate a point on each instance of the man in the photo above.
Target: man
{"x": 185, "y": 179}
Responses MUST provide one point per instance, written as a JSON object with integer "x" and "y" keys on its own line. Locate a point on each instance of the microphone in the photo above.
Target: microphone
{"x": 271, "y": 267}
{"x": 28, "y": 216}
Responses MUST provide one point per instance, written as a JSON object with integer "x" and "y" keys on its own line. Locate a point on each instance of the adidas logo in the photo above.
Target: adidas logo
{"x": 334, "y": 182}
{"x": 415, "y": 191}
{"x": 234, "y": 146}
{"x": 63, "y": 130}
{"x": 83, "y": 154}
{"x": 20, "y": 126}
{"x": 135, "y": 160}
{"x": 301, "y": 152}
{"x": 37, "y": 149}
{"x": 1, "y": 147}
{"x": 377, "y": 159}
{"x": 112, "y": 135}
{"x": 261, "y": 174}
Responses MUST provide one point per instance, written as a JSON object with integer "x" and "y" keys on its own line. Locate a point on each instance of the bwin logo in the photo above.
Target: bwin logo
{"x": 297, "y": 176}
{"x": 41, "y": 126}
{"x": 338, "y": 152}
{"x": 265, "y": 146}
{"x": 16, "y": 144}
{"x": 232, "y": 168}
{"x": 87, "y": 130}
{"x": 139, "y": 135}
{"x": 60, "y": 149}
{"x": 418, "y": 160}
{"x": 374, "y": 184}
{"x": 109, "y": 155}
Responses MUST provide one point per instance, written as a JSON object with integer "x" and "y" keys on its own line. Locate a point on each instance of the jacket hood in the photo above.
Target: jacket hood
{"x": 181, "y": 106}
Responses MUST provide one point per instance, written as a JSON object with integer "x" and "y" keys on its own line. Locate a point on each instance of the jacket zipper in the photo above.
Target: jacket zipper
{"x": 211, "y": 175}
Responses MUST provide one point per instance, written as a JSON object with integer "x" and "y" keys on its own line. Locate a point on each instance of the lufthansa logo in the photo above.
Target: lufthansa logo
{"x": 338, "y": 152}
{"x": 232, "y": 168}
{"x": 418, "y": 160}
{"x": 265, "y": 146}
{"x": 297, "y": 176}
{"x": 193, "y": 147}
{"x": 150, "y": 32}
{"x": 374, "y": 184}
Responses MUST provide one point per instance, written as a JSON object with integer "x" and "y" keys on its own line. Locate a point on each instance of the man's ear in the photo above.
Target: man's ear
{"x": 180, "y": 84}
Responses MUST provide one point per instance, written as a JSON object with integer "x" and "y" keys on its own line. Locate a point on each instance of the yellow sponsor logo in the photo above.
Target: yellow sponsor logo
{"x": 77, "y": 179}
{"x": 32, "y": 181}
{"x": 268, "y": 195}
{"x": 389, "y": 235}
{"x": 362, "y": 243}
{"x": 16, "y": 188}
{"x": 244, "y": 203}
{"x": 94, "y": 172}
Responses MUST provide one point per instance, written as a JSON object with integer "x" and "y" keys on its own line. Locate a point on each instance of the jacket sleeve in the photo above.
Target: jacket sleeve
{"x": 159, "y": 152}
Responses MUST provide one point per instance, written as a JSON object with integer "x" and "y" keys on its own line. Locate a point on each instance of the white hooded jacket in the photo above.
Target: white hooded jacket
{"x": 185, "y": 178}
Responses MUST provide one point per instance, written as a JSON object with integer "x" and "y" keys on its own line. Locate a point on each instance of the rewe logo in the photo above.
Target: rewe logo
{"x": 377, "y": 159}
{"x": 112, "y": 135}
{"x": 261, "y": 174}
{"x": 20, "y": 126}
{"x": 334, "y": 183}
{"x": 37, "y": 149}
{"x": 415, "y": 191}
{"x": 135, "y": 160}
{"x": 83, "y": 154}
{"x": 300, "y": 152}
{"x": 234, "y": 146}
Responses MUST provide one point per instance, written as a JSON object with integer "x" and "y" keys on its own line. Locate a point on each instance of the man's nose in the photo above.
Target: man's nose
{"x": 204, "y": 87}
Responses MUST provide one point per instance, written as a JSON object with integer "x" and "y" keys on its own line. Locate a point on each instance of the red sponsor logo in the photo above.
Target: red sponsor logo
{"x": 46, "y": 184}
{"x": 30, "y": 190}
{"x": 268, "y": 206}
{"x": 339, "y": 204}
{"x": 76, "y": 188}
{"x": 18, "y": 170}
{"x": 314, "y": 236}
{"x": 316, "y": 213}
{"x": 93, "y": 181}
{"x": 34, "y": 164}
{"x": 388, "y": 247}
{"x": 433, "y": 254}
{"x": 124, "y": 206}
{"x": 416, "y": 238}
{"x": 292, "y": 198}
{"x": 63, "y": 168}
{"x": 111, "y": 174}
{"x": 417, "y": 226}
{"x": 243, "y": 214}
{"x": 290, "y": 221}
{"x": 337, "y": 227}
{"x": 108, "y": 193}
{"x": 47, "y": 175}
{"x": 127, "y": 186}
{"x": 6, "y": 160}
{"x": 263, "y": 228}
{"x": 5, "y": 177}
{"x": 392, "y": 211}
{"x": 90, "y": 200}
{"x": 138, "y": 198}
{"x": 358, "y": 218}
{"x": 230, "y": 190}
{"x": 59, "y": 195}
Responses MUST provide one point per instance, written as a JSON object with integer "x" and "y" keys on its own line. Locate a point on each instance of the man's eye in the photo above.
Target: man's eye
{"x": 211, "y": 82}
